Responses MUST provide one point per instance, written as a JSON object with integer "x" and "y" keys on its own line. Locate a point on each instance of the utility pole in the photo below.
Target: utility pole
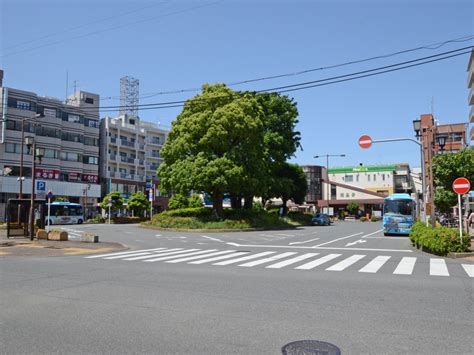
{"x": 328, "y": 185}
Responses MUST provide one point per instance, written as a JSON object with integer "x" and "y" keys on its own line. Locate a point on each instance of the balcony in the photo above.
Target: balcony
{"x": 127, "y": 160}
{"x": 154, "y": 141}
{"x": 126, "y": 143}
{"x": 141, "y": 146}
{"x": 113, "y": 140}
{"x": 153, "y": 155}
{"x": 113, "y": 157}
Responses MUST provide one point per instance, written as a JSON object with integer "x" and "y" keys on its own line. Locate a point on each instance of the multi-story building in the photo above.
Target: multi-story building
{"x": 470, "y": 99}
{"x": 130, "y": 155}
{"x": 68, "y": 133}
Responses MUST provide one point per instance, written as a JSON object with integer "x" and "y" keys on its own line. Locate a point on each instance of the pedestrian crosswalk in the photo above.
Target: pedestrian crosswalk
{"x": 292, "y": 260}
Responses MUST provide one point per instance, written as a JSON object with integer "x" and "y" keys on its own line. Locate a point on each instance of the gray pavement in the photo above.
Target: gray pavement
{"x": 177, "y": 305}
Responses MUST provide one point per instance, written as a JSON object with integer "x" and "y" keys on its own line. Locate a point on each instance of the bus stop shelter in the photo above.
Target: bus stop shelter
{"x": 18, "y": 213}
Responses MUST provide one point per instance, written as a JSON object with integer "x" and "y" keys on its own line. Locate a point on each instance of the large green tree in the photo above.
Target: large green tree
{"x": 215, "y": 145}
{"x": 117, "y": 201}
{"x": 290, "y": 184}
{"x": 447, "y": 168}
{"x": 138, "y": 203}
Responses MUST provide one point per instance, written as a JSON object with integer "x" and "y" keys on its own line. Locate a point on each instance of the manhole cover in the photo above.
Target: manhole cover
{"x": 310, "y": 347}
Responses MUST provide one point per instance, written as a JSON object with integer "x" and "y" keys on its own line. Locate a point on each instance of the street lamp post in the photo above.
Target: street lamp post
{"x": 85, "y": 202}
{"x": 37, "y": 153}
{"x": 328, "y": 185}
{"x": 21, "y": 178}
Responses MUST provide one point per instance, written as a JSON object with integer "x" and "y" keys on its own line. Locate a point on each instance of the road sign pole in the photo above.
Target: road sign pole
{"x": 109, "y": 213}
{"x": 49, "y": 211}
{"x": 460, "y": 217}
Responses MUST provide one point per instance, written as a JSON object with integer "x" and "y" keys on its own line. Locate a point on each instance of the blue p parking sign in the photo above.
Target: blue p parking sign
{"x": 40, "y": 186}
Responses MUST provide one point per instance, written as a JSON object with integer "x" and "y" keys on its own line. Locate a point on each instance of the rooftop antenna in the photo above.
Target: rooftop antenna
{"x": 129, "y": 90}
{"x": 75, "y": 86}
{"x": 67, "y": 84}
{"x": 436, "y": 121}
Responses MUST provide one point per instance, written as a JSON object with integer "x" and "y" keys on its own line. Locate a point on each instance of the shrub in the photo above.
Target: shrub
{"x": 127, "y": 220}
{"x": 96, "y": 219}
{"x": 178, "y": 201}
{"x": 195, "y": 201}
{"x": 374, "y": 219}
{"x": 440, "y": 240}
{"x": 302, "y": 218}
{"x": 363, "y": 219}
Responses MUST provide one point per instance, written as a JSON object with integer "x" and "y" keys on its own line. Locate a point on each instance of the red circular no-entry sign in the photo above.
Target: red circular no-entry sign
{"x": 461, "y": 186}
{"x": 365, "y": 141}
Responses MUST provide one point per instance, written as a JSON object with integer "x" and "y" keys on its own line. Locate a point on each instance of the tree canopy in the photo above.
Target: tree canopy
{"x": 117, "y": 201}
{"x": 228, "y": 142}
{"x": 138, "y": 203}
{"x": 449, "y": 167}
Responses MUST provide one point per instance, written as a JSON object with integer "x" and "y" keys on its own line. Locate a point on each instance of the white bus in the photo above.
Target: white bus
{"x": 65, "y": 213}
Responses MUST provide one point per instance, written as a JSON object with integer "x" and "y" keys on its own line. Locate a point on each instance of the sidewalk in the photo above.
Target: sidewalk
{"x": 26, "y": 247}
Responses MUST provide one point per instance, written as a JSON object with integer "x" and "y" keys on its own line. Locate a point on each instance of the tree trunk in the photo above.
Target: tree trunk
{"x": 248, "y": 202}
{"x": 235, "y": 201}
{"x": 285, "y": 208}
{"x": 217, "y": 204}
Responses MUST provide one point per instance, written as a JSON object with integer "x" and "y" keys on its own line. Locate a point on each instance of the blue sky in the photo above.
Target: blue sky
{"x": 171, "y": 45}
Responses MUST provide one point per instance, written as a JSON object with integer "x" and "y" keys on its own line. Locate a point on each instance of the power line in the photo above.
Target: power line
{"x": 170, "y": 104}
{"x": 84, "y": 25}
{"x": 111, "y": 28}
{"x": 432, "y": 46}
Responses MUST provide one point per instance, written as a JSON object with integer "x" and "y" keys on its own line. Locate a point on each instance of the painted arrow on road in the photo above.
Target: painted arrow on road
{"x": 356, "y": 242}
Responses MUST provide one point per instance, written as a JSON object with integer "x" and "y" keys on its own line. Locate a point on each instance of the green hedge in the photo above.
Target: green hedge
{"x": 441, "y": 240}
{"x": 204, "y": 218}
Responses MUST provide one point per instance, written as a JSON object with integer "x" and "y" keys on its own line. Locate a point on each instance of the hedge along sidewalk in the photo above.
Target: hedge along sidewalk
{"x": 214, "y": 230}
{"x": 439, "y": 241}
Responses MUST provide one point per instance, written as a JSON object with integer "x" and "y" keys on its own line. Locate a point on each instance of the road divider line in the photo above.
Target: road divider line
{"x": 405, "y": 266}
{"x": 126, "y": 256}
{"x": 469, "y": 268}
{"x": 179, "y": 256}
{"x": 201, "y": 256}
{"x": 335, "y": 240}
{"x": 438, "y": 267}
{"x": 345, "y": 263}
{"x": 125, "y": 252}
{"x": 304, "y": 242}
{"x": 378, "y": 231}
{"x": 214, "y": 239}
{"x": 292, "y": 261}
{"x": 317, "y": 262}
{"x": 375, "y": 264}
{"x": 250, "y": 257}
{"x": 267, "y": 260}
{"x": 239, "y": 253}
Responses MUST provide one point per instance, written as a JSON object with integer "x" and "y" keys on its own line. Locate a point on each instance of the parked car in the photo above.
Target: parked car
{"x": 321, "y": 219}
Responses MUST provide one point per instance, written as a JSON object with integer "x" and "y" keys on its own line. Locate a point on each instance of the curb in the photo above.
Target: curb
{"x": 460, "y": 255}
{"x": 218, "y": 230}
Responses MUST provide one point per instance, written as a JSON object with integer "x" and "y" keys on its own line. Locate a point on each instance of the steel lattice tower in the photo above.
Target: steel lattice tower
{"x": 129, "y": 90}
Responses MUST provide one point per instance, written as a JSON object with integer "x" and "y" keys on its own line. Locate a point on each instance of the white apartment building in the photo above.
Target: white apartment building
{"x": 68, "y": 133}
{"x": 130, "y": 155}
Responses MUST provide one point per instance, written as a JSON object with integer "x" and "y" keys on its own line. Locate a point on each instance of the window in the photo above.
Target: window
{"x": 92, "y": 123}
{"x": 349, "y": 178}
{"x": 90, "y": 160}
{"x": 70, "y": 156}
{"x": 91, "y": 141}
{"x": 71, "y": 137}
{"x": 383, "y": 177}
{"x": 47, "y": 132}
{"x": 131, "y": 121}
{"x": 51, "y": 154}
{"x": 73, "y": 118}
{"x": 341, "y": 194}
{"x": 368, "y": 177}
{"x": 49, "y": 112}
{"x": 375, "y": 177}
{"x": 13, "y": 148}
{"x": 353, "y": 194}
{"x": 357, "y": 177}
{"x": 89, "y": 100}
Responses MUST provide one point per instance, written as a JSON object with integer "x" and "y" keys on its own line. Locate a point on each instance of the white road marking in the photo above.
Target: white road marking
{"x": 121, "y": 253}
{"x": 163, "y": 253}
{"x": 317, "y": 262}
{"x": 157, "y": 235}
{"x": 345, "y": 263}
{"x": 405, "y": 266}
{"x": 360, "y": 241}
{"x": 306, "y": 241}
{"x": 239, "y": 253}
{"x": 335, "y": 240}
{"x": 214, "y": 239}
{"x": 179, "y": 256}
{"x": 201, "y": 256}
{"x": 378, "y": 231}
{"x": 375, "y": 264}
{"x": 267, "y": 260}
{"x": 250, "y": 257}
{"x": 438, "y": 267}
{"x": 285, "y": 235}
{"x": 368, "y": 249}
{"x": 125, "y": 256}
{"x": 469, "y": 268}
{"x": 291, "y": 261}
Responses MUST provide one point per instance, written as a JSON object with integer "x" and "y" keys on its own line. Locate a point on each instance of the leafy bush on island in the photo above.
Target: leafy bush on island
{"x": 441, "y": 240}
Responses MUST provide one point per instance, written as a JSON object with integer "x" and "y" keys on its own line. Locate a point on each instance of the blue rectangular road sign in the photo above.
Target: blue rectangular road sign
{"x": 40, "y": 185}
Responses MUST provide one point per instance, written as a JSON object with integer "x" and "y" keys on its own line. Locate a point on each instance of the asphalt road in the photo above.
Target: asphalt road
{"x": 239, "y": 293}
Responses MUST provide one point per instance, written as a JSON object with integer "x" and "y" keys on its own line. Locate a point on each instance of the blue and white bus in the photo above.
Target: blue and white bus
{"x": 65, "y": 213}
{"x": 399, "y": 214}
